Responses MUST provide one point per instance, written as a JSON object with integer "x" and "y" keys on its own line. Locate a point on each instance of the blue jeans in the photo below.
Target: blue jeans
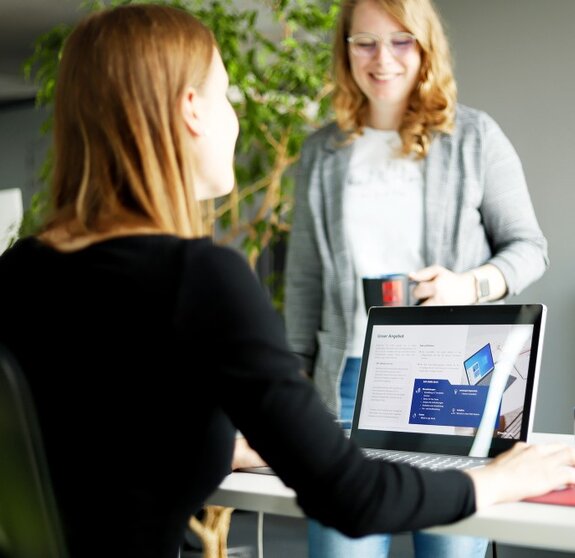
{"x": 324, "y": 542}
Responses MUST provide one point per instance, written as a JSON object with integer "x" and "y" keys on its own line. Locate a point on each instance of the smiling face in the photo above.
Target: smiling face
{"x": 386, "y": 78}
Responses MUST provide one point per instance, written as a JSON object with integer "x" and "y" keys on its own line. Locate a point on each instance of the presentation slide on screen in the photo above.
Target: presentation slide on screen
{"x": 435, "y": 379}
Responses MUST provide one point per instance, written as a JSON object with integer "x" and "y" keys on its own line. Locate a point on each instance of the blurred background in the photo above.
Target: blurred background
{"x": 513, "y": 59}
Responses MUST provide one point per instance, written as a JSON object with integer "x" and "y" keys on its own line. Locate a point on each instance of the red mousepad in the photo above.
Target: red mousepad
{"x": 565, "y": 497}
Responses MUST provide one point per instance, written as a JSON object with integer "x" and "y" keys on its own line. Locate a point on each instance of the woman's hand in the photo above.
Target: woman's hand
{"x": 245, "y": 456}
{"x": 437, "y": 285}
{"x": 524, "y": 471}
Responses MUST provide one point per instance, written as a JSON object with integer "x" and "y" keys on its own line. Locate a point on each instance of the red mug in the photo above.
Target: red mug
{"x": 388, "y": 290}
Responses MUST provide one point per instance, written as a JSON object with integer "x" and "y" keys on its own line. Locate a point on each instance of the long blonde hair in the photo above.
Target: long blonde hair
{"x": 120, "y": 142}
{"x": 431, "y": 107}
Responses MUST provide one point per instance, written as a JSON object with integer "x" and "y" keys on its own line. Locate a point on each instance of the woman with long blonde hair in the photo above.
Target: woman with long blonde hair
{"x": 408, "y": 181}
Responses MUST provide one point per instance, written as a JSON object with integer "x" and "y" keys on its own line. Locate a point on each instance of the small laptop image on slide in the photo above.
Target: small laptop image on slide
{"x": 479, "y": 368}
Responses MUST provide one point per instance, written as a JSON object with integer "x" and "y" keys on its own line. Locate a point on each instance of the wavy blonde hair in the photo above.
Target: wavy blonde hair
{"x": 119, "y": 137}
{"x": 431, "y": 107}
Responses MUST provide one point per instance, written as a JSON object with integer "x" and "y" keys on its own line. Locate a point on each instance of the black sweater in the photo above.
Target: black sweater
{"x": 143, "y": 354}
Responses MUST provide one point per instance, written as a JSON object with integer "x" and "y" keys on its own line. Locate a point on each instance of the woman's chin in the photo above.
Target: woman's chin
{"x": 225, "y": 190}
{"x": 216, "y": 190}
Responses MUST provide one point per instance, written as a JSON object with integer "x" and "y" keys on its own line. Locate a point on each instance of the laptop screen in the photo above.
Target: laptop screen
{"x": 426, "y": 374}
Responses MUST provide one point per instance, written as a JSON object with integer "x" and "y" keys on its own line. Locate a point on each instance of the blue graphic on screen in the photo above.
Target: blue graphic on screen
{"x": 478, "y": 365}
{"x": 441, "y": 403}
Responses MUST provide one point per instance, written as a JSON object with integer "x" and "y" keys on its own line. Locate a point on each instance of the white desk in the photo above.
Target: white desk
{"x": 523, "y": 524}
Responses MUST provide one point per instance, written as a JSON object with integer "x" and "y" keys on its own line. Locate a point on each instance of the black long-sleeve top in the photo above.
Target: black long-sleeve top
{"x": 143, "y": 353}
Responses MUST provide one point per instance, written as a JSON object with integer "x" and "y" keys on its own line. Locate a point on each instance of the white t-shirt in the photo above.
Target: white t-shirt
{"x": 383, "y": 215}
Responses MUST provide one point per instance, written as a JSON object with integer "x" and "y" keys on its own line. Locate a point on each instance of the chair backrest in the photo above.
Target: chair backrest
{"x": 29, "y": 522}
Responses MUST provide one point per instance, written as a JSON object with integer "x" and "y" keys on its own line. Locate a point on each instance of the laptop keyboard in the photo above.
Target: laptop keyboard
{"x": 433, "y": 461}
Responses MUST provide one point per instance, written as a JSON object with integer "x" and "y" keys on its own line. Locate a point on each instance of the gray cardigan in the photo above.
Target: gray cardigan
{"x": 477, "y": 210}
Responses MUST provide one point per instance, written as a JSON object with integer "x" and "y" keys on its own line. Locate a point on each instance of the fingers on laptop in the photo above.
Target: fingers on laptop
{"x": 546, "y": 467}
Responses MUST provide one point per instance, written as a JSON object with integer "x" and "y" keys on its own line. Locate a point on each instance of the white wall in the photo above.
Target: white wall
{"x": 514, "y": 59}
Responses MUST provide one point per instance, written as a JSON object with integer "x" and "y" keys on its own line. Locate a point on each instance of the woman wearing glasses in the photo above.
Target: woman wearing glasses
{"x": 405, "y": 179}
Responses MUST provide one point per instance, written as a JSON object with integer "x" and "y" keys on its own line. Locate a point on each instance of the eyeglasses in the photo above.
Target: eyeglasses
{"x": 367, "y": 44}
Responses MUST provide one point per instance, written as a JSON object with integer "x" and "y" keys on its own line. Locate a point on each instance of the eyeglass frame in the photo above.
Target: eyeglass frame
{"x": 379, "y": 40}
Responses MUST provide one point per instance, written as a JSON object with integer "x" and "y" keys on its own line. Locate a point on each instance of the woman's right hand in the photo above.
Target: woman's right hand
{"x": 522, "y": 472}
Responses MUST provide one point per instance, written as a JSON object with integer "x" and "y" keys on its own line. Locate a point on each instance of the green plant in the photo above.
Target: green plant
{"x": 280, "y": 90}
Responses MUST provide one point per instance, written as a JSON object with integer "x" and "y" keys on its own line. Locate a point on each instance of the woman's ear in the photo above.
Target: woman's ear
{"x": 190, "y": 107}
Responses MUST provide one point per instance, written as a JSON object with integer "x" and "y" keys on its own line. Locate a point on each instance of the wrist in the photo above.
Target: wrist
{"x": 485, "y": 486}
{"x": 470, "y": 288}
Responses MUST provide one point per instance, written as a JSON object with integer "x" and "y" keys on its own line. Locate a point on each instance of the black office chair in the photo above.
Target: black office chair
{"x": 29, "y": 522}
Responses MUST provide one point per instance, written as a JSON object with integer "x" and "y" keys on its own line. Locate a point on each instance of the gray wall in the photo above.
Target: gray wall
{"x": 514, "y": 59}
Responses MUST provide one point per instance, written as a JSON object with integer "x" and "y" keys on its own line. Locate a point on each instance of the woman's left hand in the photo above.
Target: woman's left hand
{"x": 437, "y": 285}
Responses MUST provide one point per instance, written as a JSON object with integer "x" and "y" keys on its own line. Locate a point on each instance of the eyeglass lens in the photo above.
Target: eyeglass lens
{"x": 366, "y": 44}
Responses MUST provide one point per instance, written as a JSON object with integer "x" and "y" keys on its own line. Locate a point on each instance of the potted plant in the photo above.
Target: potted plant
{"x": 280, "y": 90}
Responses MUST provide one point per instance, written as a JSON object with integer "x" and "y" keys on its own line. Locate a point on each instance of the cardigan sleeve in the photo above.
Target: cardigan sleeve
{"x": 519, "y": 247}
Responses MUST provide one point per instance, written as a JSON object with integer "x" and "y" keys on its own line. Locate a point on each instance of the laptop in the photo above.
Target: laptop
{"x": 479, "y": 367}
{"x": 417, "y": 403}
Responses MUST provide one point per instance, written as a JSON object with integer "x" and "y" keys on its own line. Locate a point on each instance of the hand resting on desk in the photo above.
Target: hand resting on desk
{"x": 245, "y": 456}
{"x": 524, "y": 471}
